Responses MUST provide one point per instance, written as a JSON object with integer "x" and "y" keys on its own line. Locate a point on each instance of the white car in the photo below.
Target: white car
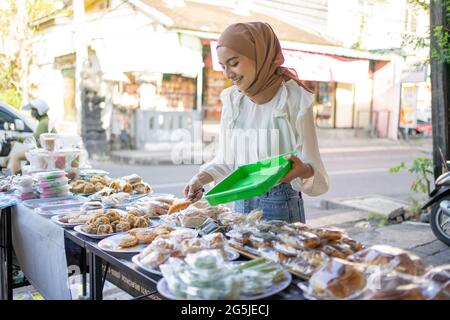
{"x": 13, "y": 123}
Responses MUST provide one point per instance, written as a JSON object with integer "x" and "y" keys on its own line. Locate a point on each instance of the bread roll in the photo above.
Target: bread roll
{"x": 337, "y": 279}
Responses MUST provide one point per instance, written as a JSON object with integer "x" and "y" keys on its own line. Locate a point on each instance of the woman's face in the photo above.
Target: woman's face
{"x": 236, "y": 67}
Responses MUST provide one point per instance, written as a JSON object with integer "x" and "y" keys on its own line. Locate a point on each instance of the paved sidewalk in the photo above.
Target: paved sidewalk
{"x": 414, "y": 237}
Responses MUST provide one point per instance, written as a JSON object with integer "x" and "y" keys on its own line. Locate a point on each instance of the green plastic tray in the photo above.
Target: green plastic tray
{"x": 250, "y": 180}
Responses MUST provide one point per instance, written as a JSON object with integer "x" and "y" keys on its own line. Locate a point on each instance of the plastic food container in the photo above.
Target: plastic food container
{"x": 51, "y": 175}
{"x": 48, "y": 141}
{"x": 38, "y": 158}
{"x": 55, "y": 194}
{"x": 250, "y": 180}
{"x": 53, "y": 183}
{"x": 56, "y": 189}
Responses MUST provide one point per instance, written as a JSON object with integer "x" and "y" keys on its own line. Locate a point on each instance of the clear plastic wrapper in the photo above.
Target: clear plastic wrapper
{"x": 116, "y": 199}
{"x": 390, "y": 259}
{"x": 53, "y": 183}
{"x": 23, "y": 190}
{"x": 331, "y": 234}
{"x": 52, "y": 175}
{"x": 24, "y": 181}
{"x": 54, "y": 194}
{"x": 338, "y": 279}
{"x": 203, "y": 275}
{"x": 54, "y": 189}
{"x": 382, "y": 285}
{"x": 258, "y": 275}
{"x": 28, "y": 196}
{"x": 304, "y": 240}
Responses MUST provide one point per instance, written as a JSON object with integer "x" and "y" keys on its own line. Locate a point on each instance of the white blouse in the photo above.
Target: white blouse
{"x": 250, "y": 132}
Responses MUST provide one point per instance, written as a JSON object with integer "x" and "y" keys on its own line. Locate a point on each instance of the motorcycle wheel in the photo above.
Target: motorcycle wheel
{"x": 440, "y": 223}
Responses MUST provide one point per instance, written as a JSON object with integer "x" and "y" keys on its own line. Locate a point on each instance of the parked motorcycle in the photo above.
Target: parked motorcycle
{"x": 440, "y": 208}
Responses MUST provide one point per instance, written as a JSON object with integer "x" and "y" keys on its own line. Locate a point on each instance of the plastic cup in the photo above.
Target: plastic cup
{"x": 48, "y": 141}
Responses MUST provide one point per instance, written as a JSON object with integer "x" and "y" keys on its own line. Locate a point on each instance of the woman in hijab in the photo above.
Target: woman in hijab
{"x": 265, "y": 113}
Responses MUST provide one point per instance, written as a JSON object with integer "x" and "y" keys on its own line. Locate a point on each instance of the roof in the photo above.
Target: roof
{"x": 214, "y": 19}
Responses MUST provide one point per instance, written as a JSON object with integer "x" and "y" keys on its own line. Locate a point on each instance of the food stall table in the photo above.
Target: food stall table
{"x": 39, "y": 246}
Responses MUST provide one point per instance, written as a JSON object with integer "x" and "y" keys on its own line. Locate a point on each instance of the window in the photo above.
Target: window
{"x": 5, "y": 117}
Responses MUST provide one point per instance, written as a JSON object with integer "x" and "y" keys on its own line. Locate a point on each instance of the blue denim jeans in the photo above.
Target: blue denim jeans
{"x": 280, "y": 203}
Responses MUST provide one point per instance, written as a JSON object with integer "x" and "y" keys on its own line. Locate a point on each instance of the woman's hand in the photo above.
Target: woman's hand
{"x": 299, "y": 170}
{"x": 194, "y": 189}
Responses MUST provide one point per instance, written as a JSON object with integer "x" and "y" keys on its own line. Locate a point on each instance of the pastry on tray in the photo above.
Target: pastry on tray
{"x": 338, "y": 279}
{"x": 178, "y": 206}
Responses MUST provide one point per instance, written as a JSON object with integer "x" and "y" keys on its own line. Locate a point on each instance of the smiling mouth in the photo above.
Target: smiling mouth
{"x": 237, "y": 80}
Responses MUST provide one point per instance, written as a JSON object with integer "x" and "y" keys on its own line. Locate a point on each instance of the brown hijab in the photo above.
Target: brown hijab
{"x": 257, "y": 41}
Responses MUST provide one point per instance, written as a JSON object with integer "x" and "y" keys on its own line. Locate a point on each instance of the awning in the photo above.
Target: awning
{"x": 160, "y": 52}
{"x": 320, "y": 67}
{"x": 317, "y": 67}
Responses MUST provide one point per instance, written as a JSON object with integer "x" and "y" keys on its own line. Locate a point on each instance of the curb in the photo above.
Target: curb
{"x": 139, "y": 160}
{"x": 332, "y": 204}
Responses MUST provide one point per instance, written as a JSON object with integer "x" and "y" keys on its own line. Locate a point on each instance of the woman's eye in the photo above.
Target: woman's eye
{"x": 234, "y": 64}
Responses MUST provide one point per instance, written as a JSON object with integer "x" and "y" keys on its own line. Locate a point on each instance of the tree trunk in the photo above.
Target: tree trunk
{"x": 440, "y": 91}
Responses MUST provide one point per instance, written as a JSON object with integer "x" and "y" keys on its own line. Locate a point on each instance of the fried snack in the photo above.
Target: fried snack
{"x": 78, "y": 187}
{"x": 396, "y": 286}
{"x": 126, "y": 187}
{"x": 178, "y": 206}
{"x": 115, "y": 184}
{"x": 390, "y": 258}
{"x": 89, "y": 228}
{"x": 131, "y": 219}
{"x": 154, "y": 259}
{"x": 332, "y": 251}
{"x": 98, "y": 186}
{"x": 355, "y": 245}
{"x": 99, "y": 179}
{"x": 284, "y": 249}
{"x": 89, "y": 188}
{"x": 135, "y": 212}
{"x": 101, "y": 220}
{"x": 192, "y": 245}
{"x": 142, "y": 188}
{"x": 337, "y": 279}
{"x": 140, "y": 222}
{"x": 214, "y": 240}
{"x": 132, "y": 178}
{"x": 331, "y": 234}
{"x": 144, "y": 235}
{"x": 122, "y": 226}
{"x": 301, "y": 240}
{"x": 343, "y": 248}
{"x": 105, "y": 229}
{"x": 113, "y": 215}
{"x": 128, "y": 241}
{"x": 262, "y": 240}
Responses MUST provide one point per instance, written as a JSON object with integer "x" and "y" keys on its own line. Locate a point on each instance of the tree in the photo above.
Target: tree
{"x": 440, "y": 58}
{"x": 438, "y": 41}
{"x": 16, "y": 32}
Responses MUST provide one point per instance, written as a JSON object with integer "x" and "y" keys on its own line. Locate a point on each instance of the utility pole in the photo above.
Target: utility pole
{"x": 81, "y": 53}
{"x": 440, "y": 92}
